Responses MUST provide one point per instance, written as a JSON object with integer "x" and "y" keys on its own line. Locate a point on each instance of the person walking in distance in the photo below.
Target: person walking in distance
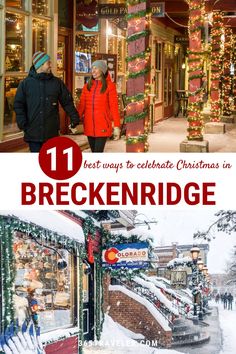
{"x": 98, "y": 107}
{"x": 225, "y": 299}
{"x": 230, "y": 301}
{"x": 37, "y": 103}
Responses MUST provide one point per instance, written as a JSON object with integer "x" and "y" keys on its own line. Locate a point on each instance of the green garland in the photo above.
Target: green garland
{"x": 135, "y": 98}
{"x": 138, "y": 14}
{"x": 81, "y": 319}
{"x": 140, "y": 55}
{"x": 7, "y": 274}
{"x": 134, "y": 2}
{"x": 135, "y": 117}
{"x": 197, "y": 28}
{"x": 137, "y": 139}
{"x": 199, "y": 76}
{"x": 99, "y": 313}
{"x": 89, "y": 227}
{"x": 193, "y": 93}
{"x": 138, "y": 35}
{"x": 139, "y": 73}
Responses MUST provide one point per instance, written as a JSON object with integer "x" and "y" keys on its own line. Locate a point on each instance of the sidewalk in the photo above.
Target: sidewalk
{"x": 215, "y": 343}
{"x": 167, "y": 137}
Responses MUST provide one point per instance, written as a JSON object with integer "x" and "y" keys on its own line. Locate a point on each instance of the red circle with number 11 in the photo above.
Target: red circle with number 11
{"x": 60, "y": 158}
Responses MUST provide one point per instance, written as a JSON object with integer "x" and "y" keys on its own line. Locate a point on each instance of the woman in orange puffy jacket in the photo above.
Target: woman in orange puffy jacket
{"x": 98, "y": 107}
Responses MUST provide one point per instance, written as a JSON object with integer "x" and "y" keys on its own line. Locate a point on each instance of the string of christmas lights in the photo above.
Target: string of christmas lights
{"x": 217, "y": 33}
{"x": 195, "y": 62}
{"x": 234, "y": 68}
{"x": 226, "y": 77}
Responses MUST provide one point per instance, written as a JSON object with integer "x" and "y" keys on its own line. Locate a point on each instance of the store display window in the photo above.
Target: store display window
{"x": 40, "y": 35}
{"x": 43, "y": 283}
{"x": 10, "y": 126}
{"x": 15, "y": 42}
{"x": 40, "y": 7}
{"x": 18, "y": 4}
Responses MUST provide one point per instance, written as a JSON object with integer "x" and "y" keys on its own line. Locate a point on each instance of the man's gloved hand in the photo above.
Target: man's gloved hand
{"x": 116, "y": 133}
{"x": 74, "y": 128}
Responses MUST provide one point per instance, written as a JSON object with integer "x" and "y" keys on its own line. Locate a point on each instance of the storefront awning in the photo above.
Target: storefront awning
{"x": 50, "y": 220}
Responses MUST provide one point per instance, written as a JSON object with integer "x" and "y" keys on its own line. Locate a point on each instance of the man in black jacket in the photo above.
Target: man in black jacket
{"x": 37, "y": 103}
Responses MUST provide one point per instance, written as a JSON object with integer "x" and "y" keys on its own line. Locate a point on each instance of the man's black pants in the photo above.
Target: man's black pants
{"x": 35, "y": 146}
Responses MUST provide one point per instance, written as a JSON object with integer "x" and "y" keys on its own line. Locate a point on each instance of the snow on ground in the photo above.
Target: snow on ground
{"x": 114, "y": 340}
{"x": 227, "y": 324}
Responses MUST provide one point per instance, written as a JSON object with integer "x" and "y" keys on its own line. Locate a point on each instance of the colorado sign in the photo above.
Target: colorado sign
{"x": 128, "y": 255}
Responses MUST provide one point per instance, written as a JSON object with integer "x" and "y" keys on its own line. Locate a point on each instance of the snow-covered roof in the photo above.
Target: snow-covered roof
{"x": 152, "y": 309}
{"x": 51, "y": 220}
{"x": 83, "y": 215}
{"x": 179, "y": 261}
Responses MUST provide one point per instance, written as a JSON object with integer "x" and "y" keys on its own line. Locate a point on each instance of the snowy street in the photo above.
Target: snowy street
{"x": 115, "y": 340}
{"x": 227, "y": 323}
{"x": 113, "y": 334}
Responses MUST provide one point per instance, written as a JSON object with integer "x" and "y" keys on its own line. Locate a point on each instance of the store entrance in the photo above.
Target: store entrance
{"x": 64, "y": 70}
{"x": 88, "y": 302}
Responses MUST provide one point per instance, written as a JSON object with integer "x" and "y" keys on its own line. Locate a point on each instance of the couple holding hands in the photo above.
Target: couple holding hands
{"x": 37, "y": 105}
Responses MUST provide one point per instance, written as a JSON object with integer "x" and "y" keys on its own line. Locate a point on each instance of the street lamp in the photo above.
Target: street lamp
{"x": 205, "y": 270}
{"x": 200, "y": 266}
{"x": 194, "y": 254}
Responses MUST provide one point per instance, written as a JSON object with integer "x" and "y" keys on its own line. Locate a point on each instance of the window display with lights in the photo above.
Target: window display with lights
{"x": 43, "y": 283}
{"x": 40, "y": 35}
{"x": 19, "y": 4}
{"x": 40, "y": 7}
{"x": 23, "y": 20}
{"x": 15, "y": 42}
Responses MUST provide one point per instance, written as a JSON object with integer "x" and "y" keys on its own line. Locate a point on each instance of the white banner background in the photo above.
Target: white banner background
{"x": 24, "y": 167}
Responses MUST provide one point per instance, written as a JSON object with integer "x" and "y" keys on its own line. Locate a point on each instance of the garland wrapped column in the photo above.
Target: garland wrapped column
{"x": 226, "y": 78}
{"x": 234, "y": 77}
{"x": 137, "y": 89}
{"x": 195, "y": 63}
{"x": 7, "y": 275}
{"x": 217, "y": 33}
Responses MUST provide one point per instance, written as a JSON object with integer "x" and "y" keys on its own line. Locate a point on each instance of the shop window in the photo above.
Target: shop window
{"x": 10, "y": 126}
{"x": 158, "y": 56}
{"x": 19, "y": 4}
{"x": 158, "y": 67}
{"x": 86, "y": 43}
{"x": 61, "y": 60}
{"x": 44, "y": 275}
{"x": 15, "y": 44}
{"x": 40, "y": 35}
{"x": 40, "y": 7}
{"x": 166, "y": 87}
{"x": 170, "y": 87}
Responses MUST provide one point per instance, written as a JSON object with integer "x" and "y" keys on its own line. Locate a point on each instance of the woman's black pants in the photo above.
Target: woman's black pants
{"x": 97, "y": 144}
